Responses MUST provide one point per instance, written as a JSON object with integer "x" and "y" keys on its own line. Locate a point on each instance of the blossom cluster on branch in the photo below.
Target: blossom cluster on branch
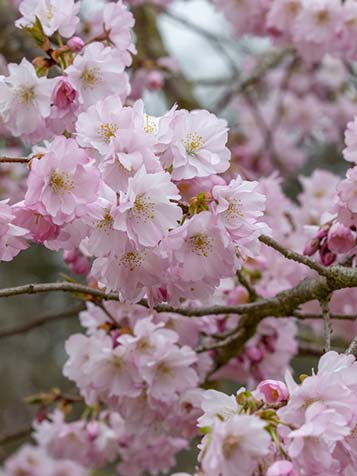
{"x": 195, "y": 264}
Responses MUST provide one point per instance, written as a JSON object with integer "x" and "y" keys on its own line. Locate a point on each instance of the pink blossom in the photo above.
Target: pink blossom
{"x": 25, "y": 99}
{"x": 146, "y": 212}
{"x": 53, "y": 15}
{"x": 273, "y": 391}
{"x": 236, "y": 443}
{"x": 347, "y": 190}
{"x": 63, "y": 182}
{"x": 198, "y": 147}
{"x": 98, "y": 72}
{"x": 340, "y": 238}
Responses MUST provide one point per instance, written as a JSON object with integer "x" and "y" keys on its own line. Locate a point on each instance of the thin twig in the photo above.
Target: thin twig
{"x": 40, "y": 321}
{"x": 14, "y": 160}
{"x": 324, "y": 303}
{"x": 311, "y": 315}
{"x": 292, "y": 255}
{"x": 13, "y": 437}
{"x": 253, "y": 296}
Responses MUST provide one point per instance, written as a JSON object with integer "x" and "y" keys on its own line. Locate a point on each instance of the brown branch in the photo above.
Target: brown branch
{"x": 48, "y": 318}
{"x": 324, "y": 303}
{"x": 14, "y": 160}
{"x": 352, "y": 348}
{"x": 292, "y": 255}
{"x": 314, "y": 316}
{"x": 13, "y": 437}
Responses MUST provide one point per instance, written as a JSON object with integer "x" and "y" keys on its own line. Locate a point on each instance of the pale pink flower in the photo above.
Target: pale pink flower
{"x": 217, "y": 406}
{"x": 282, "y": 15}
{"x": 170, "y": 373}
{"x": 119, "y": 21}
{"x": 340, "y": 238}
{"x": 25, "y": 99}
{"x": 238, "y": 205}
{"x": 54, "y": 15}
{"x": 198, "y": 147}
{"x": 63, "y": 182}
{"x": 235, "y": 443}
{"x": 40, "y": 227}
{"x": 200, "y": 250}
{"x": 146, "y": 212}
{"x": 98, "y": 72}
{"x": 129, "y": 270}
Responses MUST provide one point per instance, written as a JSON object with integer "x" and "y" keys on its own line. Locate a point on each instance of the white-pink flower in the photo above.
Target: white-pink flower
{"x": 25, "y": 99}
{"x": 235, "y": 444}
{"x": 98, "y": 72}
{"x": 54, "y": 15}
{"x": 63, "y": 182}
{"x": 147, "y": 211}
{"x": 12, "y": 237}
{"x": 198, "y": 147}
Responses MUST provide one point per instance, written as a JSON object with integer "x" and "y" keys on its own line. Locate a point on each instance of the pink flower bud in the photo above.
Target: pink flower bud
{"x": 273, "y": 391}
{"x": 282, "y": 468}
{"x": 311, "y": 247}
{"x": 75, "y": 44}
{"x": 63, "y": 94}
{"x": 326, "y": 255}
{"x": 155, "y": 80}
{"x": 340, "y": 239}
{"x": 270, "y": 341}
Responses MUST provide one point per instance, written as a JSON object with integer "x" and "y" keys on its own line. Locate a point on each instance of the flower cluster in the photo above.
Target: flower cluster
{"x": 314, "y": 28}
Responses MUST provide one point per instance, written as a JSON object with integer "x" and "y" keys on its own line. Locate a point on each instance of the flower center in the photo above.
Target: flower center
{"x": 201, "y": 244}
{"x": 60, "y": 182}
{"x": 143, "y": 209}
{"x": 50, "y": 13}
{"x": 90, "y": 77}
{"x": 107, "y": 131}
{"x": 229, "y": 446}
{"x": 106, "y": 223}
{"x": 193, "y": 142}
{"x": 26, "y": 94}
{"x": 322, "y": 17}
{"x": 132, "y": 260}
{"x": 150, "y": 126}
{"x": 234, "y": 210}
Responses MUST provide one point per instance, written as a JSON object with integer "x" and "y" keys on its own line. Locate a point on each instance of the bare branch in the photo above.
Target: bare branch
{"x": 33, "y": 324}
{"x": 14, "y": 160}
{"x": 253, "y": 296}
{"x": 292, "y": 255}
{"x": 324, "y": 303}
{"x": 314, "y": 316}
{"x": 13, "y": 437}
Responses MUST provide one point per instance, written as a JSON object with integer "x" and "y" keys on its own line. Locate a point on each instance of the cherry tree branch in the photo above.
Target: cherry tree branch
{"x": 292, "y": 255}
{"x": 14, "y": 160}
{"x": 40, "y": 321}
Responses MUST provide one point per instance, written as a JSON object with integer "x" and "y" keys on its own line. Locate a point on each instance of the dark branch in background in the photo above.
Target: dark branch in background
{"x": 150, "y": 46}
{"x": 40, "y": 321}
{"x": 13, "y": 437}
{"x": 14, "y": 160}
{"x": 259, "y": 72}
{"x": 352, "y": 348}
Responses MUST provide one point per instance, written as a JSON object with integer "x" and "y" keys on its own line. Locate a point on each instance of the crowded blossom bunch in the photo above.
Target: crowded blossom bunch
{"x": 314, "y": 27}
{"x": 194, "y": 260}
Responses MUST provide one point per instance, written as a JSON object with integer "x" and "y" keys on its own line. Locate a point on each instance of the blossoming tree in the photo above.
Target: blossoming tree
{"x": 192, "y": 264}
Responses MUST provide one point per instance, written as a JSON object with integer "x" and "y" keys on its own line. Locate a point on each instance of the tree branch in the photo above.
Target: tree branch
{"x": 33, "y": 324}
{"x": 14, "y": 160}
{"x": 292, "y": 255}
